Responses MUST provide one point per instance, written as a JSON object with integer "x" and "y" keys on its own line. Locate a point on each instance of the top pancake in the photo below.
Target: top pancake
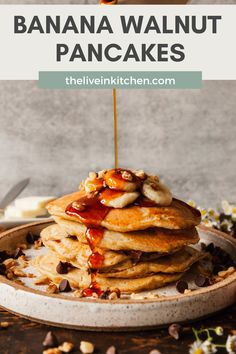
{"x": 178, "y": 215}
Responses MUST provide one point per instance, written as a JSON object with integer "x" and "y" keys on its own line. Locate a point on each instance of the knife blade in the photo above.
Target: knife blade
{"x": 13, "y": 193}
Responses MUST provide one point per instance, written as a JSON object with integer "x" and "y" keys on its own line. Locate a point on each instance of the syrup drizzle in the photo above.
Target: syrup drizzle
{"x": 116, "y": 153}
{"x": 93, "y": 213}
{"x": 94, "y": 236}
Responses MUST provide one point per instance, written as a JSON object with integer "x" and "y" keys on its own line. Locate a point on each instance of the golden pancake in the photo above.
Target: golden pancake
{"x": 178, "y": 215}
{"x": 150, "y": 240}
{"x": 178, "y": 262}
{"x": 117, "y": 265}
{"x": 80, "y": 279}
{"x": 75, "y": 252}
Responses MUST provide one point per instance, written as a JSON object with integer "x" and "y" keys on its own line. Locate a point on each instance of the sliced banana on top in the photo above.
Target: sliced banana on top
{"x": 93, "y": 184}
{"x": 156, "y": 191}
{"x": 117, "y": 199}
{"x": 122, "y": 180}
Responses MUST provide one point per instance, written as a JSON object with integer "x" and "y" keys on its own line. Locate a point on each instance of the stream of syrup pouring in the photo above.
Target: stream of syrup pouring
{"x": 95, "y": 211}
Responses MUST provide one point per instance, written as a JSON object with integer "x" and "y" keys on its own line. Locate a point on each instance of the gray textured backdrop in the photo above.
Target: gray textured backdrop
{"x": 57, "y": 137}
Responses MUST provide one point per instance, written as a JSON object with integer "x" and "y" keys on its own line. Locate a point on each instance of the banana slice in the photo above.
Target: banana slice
{"x": 156, "y": 191}
{"x": 93, "y": 183}
{"x": 117, "y": 199}
{"x": 122, "y": 180}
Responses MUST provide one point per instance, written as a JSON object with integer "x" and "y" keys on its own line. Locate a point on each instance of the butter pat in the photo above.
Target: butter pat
{"x": 29, "y": 207}
{"x": 12, "y": 212}
{"x": 32, "y": 203}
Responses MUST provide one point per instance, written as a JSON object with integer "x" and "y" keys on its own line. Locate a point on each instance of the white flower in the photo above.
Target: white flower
{"x": 219, "y": 331}
{"x": 231, "y": 344}
{"x": 199, "y": 347}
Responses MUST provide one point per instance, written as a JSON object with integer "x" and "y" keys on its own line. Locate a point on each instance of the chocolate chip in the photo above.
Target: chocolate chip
{"x": 18, "y": 253}
{"x": 2, "y": 269}
{"x": 210, "y": 248}
{"x": 111, "y": 350}
{"x": 64, "y": 286}
{"x": 202, "y": 281}
{"x": 181, "y": 286}
{"x": 105, "y": 294}
{"x": 31, "y": 238}
{"x": 72, "y": 237}
{"x": 50, "y": 340}
{"x": 4, "y": 255}
{"x": 62, "y": 267}
{"x": 175, "y": 330}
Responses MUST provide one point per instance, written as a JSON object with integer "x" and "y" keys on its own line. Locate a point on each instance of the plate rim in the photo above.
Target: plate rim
{"x": 206, "y": 290}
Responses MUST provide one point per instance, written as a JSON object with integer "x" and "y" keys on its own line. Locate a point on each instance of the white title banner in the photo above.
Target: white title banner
{"x": 37, "y": 38}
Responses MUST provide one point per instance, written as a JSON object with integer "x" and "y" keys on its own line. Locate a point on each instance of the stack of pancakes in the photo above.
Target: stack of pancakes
{"x": 123, "y": 230}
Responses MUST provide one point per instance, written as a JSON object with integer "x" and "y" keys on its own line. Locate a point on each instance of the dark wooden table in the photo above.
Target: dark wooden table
{"x": 25, "y": 337}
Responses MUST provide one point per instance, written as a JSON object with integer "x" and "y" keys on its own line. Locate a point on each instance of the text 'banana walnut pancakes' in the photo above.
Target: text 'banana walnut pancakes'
{"x": 122, "y": 231}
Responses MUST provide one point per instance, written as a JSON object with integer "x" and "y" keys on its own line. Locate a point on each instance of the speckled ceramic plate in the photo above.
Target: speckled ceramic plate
{"x": 124, "y": 314}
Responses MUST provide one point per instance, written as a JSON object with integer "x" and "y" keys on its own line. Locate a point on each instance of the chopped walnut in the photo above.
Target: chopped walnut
{"x": 140, "y": 174}
{"x": 52, "y": 289}
{"x": 66, "y": 347}
{"x": 78, "y": 206}
{"x": 113, "y": 296}
{"x": 9, "y": 275}
{"x": 86, "y": 347}
{"x": 4, "y": 324}
{"x": 30, "y": 275}
{"x": 22, "y": 262}
{"x": 127, "y": 176}
{"x": 225, "y": 273}
{"x": 18, "y": 281}
{"x": 18, "y": 272}
{"x": 154, "y": 179}
{"x": 101, "y": 174}
{"x": 217, "y": 279}
{"x": 52, "y": 351}
{"x": 154, "y": 186}
{"x": 38, "y": 243}
{"x": 10, "y": 262}
{"x": 42, "y": 281}
{"x": 78, "y": 293}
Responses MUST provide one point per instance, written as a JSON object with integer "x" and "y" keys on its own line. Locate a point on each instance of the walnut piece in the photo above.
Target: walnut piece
{"x": 52, "y": 351}
{"x": 140, "y": 174}
{"x": 10, "y": 262}
{"x": 18, "y": 272}
{"x": 126, "y": 175}
{"x": 86, "y": 347}
{"x": 78, "y": 206}
{"x": 42, "y": 281}
{"x": 4, "y": 324}
{"x": 52, "y": 289}
{"x": 66, "y": 347}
